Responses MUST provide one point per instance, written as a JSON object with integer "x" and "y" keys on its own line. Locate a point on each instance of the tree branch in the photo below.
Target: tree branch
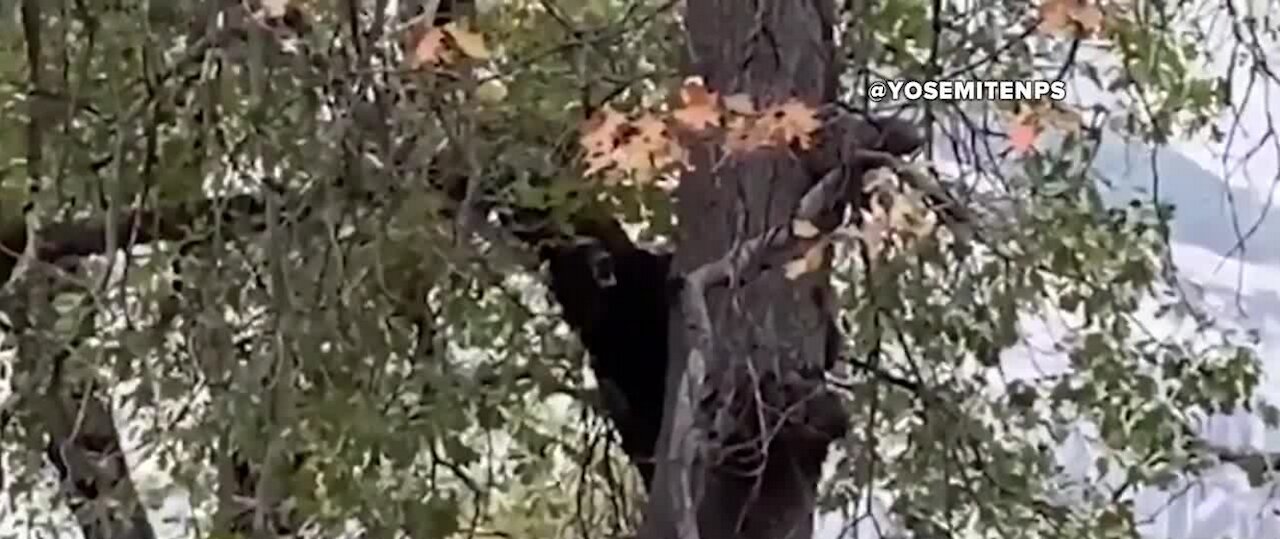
{"x": 86, "y": 237}
{"x": 843, "y": 135}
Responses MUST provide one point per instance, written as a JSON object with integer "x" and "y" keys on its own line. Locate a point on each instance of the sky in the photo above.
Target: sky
{"x": 1220, "y": 193}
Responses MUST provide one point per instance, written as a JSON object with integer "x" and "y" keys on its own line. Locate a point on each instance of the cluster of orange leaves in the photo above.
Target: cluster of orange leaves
{"x": 1031, "y": 120}
{"x": 646, "y": 145}
{"x": 616, "y": 146}
{"x": 1073, "y": 18}
{"x": 441, "y": 45}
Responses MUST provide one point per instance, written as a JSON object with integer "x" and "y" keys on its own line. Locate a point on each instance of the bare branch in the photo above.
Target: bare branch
{"x": 90, "y": 236}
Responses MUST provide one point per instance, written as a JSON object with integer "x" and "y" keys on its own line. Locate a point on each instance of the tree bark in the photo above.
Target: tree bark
{"x": 748, "y": 419}
{"x": 747, "y": 345}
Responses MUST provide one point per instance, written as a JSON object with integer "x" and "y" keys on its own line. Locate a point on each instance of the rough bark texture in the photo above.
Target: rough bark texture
{"x": 758, "y": 420}
{"x": 753, "y": 469}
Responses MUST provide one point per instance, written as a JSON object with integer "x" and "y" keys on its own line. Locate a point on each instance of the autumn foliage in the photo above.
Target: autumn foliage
{"x": 647, "y": 145}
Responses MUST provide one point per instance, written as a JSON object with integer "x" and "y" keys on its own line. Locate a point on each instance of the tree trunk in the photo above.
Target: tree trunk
{"x": 754, "y": 432}
{"x": 748, "y": 419}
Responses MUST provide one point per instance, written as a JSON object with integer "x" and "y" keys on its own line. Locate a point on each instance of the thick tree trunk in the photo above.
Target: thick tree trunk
{"x": 748, "y": 463}
{"x": 759, "y": 421}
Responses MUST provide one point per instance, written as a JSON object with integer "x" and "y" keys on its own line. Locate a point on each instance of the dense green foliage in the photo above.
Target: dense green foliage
{"x": 416, "y": 365}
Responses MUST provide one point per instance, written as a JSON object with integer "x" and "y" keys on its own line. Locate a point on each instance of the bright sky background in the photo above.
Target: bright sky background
{"x": 1211, "y": 192}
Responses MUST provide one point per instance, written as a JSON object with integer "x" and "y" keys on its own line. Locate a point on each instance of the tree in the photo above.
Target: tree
{"x": 312, "y": 216}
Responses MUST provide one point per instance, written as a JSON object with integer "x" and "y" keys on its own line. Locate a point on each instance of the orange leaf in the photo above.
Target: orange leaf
{"x": 698, "y": 105}
{"x": 1089, "y": 17}
{"x": 1022, "y": 133}
{"x": 790, "y": 121}
{"x": 429, "y": 49}
{"x": 744, "y": 136}
{"x": 647, "y": 146}
{"x": 656, "y": 138}
{"x": 600, "y": 139}
{"x": 642, "y": 147}
{"x": 1057, "y": 16}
